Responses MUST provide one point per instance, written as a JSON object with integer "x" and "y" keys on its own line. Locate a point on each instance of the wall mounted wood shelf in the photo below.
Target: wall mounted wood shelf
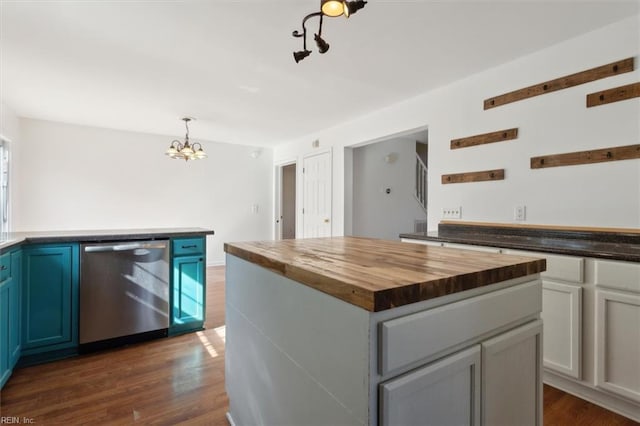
{"x": 498, "y": 136}
{"x": 586, "y": 157}
{"x": 485, "y": 175}
{"x": 614, "y": 95}
{"x": 604, "y": 71}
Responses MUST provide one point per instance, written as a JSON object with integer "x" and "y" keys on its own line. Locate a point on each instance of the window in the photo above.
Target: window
{"x": 4, "y": 185}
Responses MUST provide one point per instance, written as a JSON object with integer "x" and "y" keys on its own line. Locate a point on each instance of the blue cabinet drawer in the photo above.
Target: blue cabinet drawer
{"x": 188, "y": 246}
{"x": 5, "y": 266}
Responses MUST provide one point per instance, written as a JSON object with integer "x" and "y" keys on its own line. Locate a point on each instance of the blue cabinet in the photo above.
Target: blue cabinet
{"x": 50, "y": 298}
{"x": 10, "y": 297}
{"x": 188, "y": 285}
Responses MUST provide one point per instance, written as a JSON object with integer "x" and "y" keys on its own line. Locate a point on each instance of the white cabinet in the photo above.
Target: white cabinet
{"x": 591, "y": 340}
{"x": 511, "y": 377}
{"x": 446, "y": 392}
{"x": 617, "y": 331}
{"x": 618, "y": 343}
{"x": 499, "y": 380}
{"x": 562, "y": 313}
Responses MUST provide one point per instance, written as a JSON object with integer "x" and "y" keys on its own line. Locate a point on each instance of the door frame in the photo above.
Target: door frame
{"x": 277, "y": 200}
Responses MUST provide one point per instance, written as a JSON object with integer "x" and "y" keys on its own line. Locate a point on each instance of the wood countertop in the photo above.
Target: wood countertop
{"x": 377, "y": 274}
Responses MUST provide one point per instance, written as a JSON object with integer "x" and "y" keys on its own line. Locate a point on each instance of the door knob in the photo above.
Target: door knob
{"x": 326, "y": 220}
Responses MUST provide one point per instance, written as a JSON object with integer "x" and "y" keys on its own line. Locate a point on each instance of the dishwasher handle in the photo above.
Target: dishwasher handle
{"x": 124, "y": 247}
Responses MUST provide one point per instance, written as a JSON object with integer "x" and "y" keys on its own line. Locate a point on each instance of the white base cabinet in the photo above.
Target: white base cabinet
{"x": 618, "y": 343}
{"x": 591, "y": 316}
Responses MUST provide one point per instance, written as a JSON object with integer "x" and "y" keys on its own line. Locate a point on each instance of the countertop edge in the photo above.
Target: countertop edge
{"x": 629, "y": 257}
{"x": 43, "y": 237}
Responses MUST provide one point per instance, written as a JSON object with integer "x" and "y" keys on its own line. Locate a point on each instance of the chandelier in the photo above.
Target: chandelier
{"x": 332, "y": 9}
{"x": 186, "y": 151}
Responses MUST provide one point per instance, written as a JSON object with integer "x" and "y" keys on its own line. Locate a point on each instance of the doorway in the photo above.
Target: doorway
{"x": 288, "y": 217}
{"x": 285, "y": 200}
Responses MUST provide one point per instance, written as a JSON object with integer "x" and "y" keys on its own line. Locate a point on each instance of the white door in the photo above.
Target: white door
{"x": 316, "y": 205}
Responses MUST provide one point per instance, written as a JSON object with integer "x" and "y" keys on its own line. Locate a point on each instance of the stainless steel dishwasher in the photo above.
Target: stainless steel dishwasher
{"x": 124, "y": 292}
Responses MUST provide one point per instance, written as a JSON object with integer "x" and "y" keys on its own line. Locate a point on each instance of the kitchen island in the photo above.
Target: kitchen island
{"x": 359, "y": 331}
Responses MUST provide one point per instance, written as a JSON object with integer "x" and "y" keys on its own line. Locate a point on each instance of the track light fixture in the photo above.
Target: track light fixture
{"x": 332, "y": 9}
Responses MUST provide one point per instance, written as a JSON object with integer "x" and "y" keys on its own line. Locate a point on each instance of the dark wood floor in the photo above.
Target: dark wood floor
{"x": 178, "y": 381}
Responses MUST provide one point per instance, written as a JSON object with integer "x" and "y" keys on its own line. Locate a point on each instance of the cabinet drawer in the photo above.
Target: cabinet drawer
{"x": 620, "y": 275}
{"x": 422, "y": 335}
{"x": 565, "y": 268}
{"x": 188, "y": 246}
{"x": 5, "y": 266}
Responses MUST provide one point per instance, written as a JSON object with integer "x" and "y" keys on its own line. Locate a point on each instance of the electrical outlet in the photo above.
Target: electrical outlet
{"x": 452, "y": 212}
{"x": 519, "y": 213}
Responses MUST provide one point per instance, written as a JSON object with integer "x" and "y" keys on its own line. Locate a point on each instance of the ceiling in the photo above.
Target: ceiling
{"x": 141, "y": 65}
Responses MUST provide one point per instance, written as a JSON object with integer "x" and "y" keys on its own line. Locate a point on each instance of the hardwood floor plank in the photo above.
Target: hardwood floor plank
{"x": 178, "y": 381}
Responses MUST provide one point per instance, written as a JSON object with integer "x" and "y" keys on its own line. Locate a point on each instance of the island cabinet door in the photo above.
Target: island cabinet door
{"x": 188, "y": 299}
{"x": 511, "y": 377}
{"x": 446, "y": 392}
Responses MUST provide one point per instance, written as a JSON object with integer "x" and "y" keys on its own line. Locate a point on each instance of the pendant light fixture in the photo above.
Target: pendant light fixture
{"x": 332, "y": 9}
{"x": 186, "y": 150}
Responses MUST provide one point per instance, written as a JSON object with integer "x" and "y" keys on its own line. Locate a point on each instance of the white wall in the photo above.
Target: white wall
{"x": 75, "y": 177}
{"x": 375, "y": 213}
{"x": 605, "y": 194}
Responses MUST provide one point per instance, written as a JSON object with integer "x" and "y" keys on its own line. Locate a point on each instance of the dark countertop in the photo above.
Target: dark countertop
{"x": 41, "y": 237}
{"x": 624, "y": 246}
{"x": 376, "y": 274}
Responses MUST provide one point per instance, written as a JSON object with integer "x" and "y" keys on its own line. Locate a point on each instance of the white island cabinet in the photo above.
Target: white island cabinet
{"x": 351, "y": 331}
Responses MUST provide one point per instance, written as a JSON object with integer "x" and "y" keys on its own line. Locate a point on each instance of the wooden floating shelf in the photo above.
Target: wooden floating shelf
{"x": 586, "y": 157}
{"x": 614, "y": 95}
{"x": 604, "y": 71}
{"x": 485, "y": 175}
{"x": 498, "y": 136}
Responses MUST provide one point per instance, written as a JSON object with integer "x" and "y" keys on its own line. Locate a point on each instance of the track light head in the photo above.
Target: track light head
{"x": 323, "y": 46}
{"x": 352, "y": 7}
{"x": 300, "y": 55}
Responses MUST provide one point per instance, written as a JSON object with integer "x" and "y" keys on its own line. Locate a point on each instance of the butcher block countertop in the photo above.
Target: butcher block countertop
{"x": 376, "y": 274}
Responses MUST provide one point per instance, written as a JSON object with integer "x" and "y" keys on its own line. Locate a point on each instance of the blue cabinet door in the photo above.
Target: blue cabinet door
{"x": 188, "y": 296}
{"x": 50, "y": 298}
{"x": 15, "y": 308}
{"x": 5, "y": 371}
{"x": 10, "y": 298}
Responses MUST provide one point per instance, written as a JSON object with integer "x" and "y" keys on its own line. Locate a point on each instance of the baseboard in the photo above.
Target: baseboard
{"x": 230, "y": 419}
{"x": 216, "y": 263}
{"x": 595, "y": 396}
